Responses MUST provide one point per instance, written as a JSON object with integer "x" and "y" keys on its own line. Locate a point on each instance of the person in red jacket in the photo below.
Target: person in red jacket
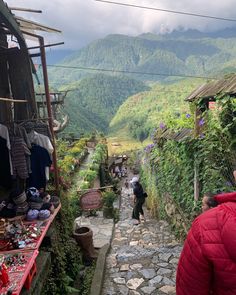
{"x": 207, "y": 264}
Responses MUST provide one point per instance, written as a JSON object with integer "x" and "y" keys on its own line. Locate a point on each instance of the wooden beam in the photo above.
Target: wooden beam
{"x": 11, "y": 23}
{"x": 25, "y": 9}
{"x": 12, "y": 100}
{"x": 48, "y": 45}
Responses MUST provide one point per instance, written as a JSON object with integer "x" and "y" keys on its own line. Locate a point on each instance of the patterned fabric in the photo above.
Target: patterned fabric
{"x": 39, "y": 127}
{"x": 208, "y": 261}
{"x": 44, "y": 214}
{"x": 19, "y": 151}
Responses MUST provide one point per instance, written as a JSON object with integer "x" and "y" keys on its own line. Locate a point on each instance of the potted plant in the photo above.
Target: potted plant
{"x": 108, "y": 199}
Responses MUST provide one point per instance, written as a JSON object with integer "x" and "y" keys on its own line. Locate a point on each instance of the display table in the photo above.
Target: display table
{"x": 22, "y": 273}
{"x": 19, "y": 273}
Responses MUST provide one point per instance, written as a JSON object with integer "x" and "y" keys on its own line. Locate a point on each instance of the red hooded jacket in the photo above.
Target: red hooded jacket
{"x": 207, "y": 263}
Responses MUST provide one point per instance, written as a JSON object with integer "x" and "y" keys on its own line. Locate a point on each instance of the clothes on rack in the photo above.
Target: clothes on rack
{"x": 38, "y": 126}
{"x": 19, "y": 155}
{"x": 40, "y": 159}
{"x": 4, "y": 133}
{"x": 41, "y": 140}
{"x": 24, "y": 156}
{"x": 5, "y": 170}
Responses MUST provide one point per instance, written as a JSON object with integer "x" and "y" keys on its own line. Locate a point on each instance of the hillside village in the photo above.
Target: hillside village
{"x": 116, "y": 158}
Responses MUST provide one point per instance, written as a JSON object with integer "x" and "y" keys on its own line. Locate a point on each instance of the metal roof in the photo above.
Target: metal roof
{"x": 211, "y": 89}
{"x": 177, "y": 136}
{"x": 32, "y": 26}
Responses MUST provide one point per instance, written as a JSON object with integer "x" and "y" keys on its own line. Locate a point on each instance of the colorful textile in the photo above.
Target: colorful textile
{"x": 19, "y": 151}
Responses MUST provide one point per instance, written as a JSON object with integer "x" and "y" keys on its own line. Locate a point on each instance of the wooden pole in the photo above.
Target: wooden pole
{"x": 12, "y": 100}
{"x": 196, "y": 168}
{"x": 49, "y": 109}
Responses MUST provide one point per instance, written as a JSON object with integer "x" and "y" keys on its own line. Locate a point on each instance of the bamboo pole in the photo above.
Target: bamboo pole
{"x": 12, "y": 100}
{"x": 95, "y": 189}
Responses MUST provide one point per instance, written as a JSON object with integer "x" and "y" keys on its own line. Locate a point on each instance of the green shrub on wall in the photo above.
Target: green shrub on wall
{"x": 168, "y": 165}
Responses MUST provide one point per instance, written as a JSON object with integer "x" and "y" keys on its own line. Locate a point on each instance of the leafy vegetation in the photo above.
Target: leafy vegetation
{"x": 140, "y": 114}
{"x": 180, "y": 53}
{"x": 89, "y": 175}
{"x": 169, "y": 165}
{"x": 94, "y": 100}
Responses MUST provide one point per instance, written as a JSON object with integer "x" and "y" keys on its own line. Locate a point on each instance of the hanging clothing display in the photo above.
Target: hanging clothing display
{"x": 19, "y": 153}
{"x": 4, "y": 133}
{"x": 38, "y": 126}
{"x": 40, "y": 159}
{"x": 5, "y": 170}
{"x": 41, "y": 140}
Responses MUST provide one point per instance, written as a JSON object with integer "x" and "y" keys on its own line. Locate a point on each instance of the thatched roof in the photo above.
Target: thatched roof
{"x": 211, "y": 89}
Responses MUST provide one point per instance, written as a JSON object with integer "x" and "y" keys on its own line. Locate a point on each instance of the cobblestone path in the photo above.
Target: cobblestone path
{"x": 143, "y": 258}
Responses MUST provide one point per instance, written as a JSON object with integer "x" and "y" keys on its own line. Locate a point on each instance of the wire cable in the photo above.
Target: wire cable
{"x": 169, "y": 11}
{"x": 132, "y": 72}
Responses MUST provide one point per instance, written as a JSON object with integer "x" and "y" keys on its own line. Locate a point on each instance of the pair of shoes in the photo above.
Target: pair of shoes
{"x": 142, "y": 217}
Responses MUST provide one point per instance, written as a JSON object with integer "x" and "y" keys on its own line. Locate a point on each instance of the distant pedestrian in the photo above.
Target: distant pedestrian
{"x": 139, "y": 200}
{"x": 126, "y": 183}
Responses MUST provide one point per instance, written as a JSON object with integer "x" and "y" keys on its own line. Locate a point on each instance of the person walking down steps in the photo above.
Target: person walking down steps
{"x": 139, "y": 200}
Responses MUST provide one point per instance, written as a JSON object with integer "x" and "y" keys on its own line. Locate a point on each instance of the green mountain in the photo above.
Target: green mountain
{"x": 93, "y": 101}
{"x": 177, "y": 53}
{"x": 143, "y": 112}
{"x": 96, "y": 97}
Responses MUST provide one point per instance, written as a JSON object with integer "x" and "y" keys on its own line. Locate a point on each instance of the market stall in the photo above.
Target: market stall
{"x": 19, "y": 248}
{"x": 27, "y": 152}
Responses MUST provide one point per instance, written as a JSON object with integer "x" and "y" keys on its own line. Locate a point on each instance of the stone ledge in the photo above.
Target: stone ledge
{"x": 97, "y": 282}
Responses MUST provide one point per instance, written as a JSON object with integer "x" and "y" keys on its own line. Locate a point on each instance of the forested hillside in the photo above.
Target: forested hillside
{"x": 140, "y": 114}
{"x": 94, "y": 100}
{"x": 96, "y": 97}
{"x": 186, "y": 54}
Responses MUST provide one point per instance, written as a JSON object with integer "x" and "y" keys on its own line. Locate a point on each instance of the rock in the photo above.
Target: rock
{"x": 123, "y": 290}
{"x": 133, "y": 243}
{"x": 148, "y": 273}
{"x": 168, "y": 282}
{"x": 163, "y": 264}
{"x": 167, "y": 289}
{"x": 165, "y": 257}
{"x": 132, "y": 292}
{"x": 124, "y": 267}
{"x": 163, "y": 271}
{"x": 133, "y": 284}
{"x": 111, "y": 261}
{"x": 155, "y": 281}
{"x": 119, "y": 281}
{"x": 148, "y": 290}
{"x": 174, "y": 261}
{"x": 136, "y": 266}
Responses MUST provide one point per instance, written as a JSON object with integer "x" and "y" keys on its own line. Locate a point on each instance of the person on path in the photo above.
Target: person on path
{"x": 208, "y": 201}
{"x": 139, "y": 200}
{"x": 207, "y": 263}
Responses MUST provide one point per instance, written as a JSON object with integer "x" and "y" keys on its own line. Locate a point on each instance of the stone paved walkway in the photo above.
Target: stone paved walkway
{"x": 143, "y": 258}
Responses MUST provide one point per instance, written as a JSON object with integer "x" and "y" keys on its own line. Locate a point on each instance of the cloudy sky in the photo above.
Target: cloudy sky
{"x": 83, "y": 21}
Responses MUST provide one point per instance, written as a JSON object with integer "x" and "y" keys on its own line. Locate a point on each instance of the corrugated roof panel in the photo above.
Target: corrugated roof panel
{"x": 213, "y": 88}
{"x": 30, "y": 25}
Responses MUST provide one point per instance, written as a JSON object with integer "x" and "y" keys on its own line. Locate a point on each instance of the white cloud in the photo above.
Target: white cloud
{"x": 83, "y": 21}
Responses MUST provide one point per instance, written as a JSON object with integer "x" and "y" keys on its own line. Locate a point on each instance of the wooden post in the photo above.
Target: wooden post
{"x": 196, "y": 168}
{"x": 49, "y": 109}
